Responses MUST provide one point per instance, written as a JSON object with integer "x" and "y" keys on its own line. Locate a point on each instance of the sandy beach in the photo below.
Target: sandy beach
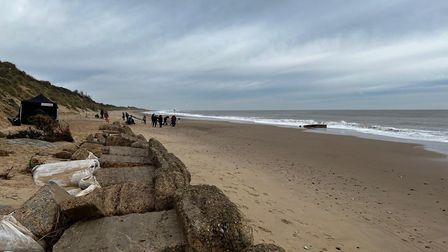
{"x": 325, "y": 192}
{"x": 298, "y": 189}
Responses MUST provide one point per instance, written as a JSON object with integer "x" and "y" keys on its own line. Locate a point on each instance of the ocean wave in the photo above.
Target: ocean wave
{"x": 385, "y": 131}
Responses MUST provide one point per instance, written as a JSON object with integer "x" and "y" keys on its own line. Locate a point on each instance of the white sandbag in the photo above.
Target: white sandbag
{"x": 74, "y": 191}
{"x": 86, "y": 191}
{"x": 65, "y": 173}
{"x": 78, "y": 176}
{"x": 15, "y": 237}
{"x": 73, "y": 176}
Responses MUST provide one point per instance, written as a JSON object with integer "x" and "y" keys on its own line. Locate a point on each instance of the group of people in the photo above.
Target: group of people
{"x": 130, "y": 119}
{"x": 103, "y": 115}
{"x": 161, "y": 120}
{"x": 155, "y": 119}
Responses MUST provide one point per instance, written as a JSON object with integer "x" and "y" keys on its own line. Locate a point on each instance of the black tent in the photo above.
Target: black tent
{"x": 38, "y": 105}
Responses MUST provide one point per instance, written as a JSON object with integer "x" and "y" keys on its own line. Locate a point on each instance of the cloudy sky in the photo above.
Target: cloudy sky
{"x": 253, "y": 54}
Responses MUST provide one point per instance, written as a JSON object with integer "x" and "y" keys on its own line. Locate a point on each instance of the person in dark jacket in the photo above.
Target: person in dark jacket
{"x": 160, "y": 121}
{"x": 154, "y": 120}
{"x": 173, "y": 121}
{"x": 165, "y": 120}
{"x": 123, "y": 116}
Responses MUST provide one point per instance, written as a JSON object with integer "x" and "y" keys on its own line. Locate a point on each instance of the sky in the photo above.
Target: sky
{"x": 229, "y": 55}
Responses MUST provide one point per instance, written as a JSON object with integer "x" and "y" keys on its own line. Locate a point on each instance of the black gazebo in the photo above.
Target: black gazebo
{"x": 38, "y": 105}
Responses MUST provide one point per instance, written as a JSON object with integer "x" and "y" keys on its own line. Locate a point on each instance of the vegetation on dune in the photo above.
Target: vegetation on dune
{"x": 47, "y": 129}
{"x": 16, "y": 85}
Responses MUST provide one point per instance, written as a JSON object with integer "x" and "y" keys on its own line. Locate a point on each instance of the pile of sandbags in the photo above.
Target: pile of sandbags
{"x": 143, "y": 202}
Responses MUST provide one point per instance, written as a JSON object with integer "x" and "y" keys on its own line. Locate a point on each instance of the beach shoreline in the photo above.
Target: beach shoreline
{"x": 406, "y": 126}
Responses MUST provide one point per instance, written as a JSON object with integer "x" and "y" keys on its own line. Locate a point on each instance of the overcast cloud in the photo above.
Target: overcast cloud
{"x": 236, "y": 54}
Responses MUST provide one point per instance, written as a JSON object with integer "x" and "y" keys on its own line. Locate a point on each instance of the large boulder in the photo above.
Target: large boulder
{"x": 117, "y": 128}
{"x": 116, "y": 199}
{"x": 95, "y": 148}
{"x": 63, "y": 155}
{"x": 174, "y": 163}
{"x": 140, "y": 144}
{"x": 107, "y": 160}
{"x": 157, "y": 145}
{"x": 155, "y": 231}
{"x": 166, "y": 183}
{"x": 211, "y": 222}
{"x": 125, "y": 151}
{"x": 41, "y": 213}
{"x": 170, "y": 177}
{"x": 100, "y": 138}
{"x": 141, "y": 137}
{"x": 265, "y": 247}
{"x": 120, "y": 140}
{"x": 140, "y": 174}
{"x": 70, "y": 147}
{"x": 80, "y": 154}
{"x": 157, "y": 157}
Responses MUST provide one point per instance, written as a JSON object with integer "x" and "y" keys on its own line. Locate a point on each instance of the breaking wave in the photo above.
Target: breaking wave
{"x": 379, "y": 130}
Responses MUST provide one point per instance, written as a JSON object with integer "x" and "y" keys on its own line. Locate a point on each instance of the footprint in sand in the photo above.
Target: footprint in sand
{"x": 252, "y": 194}
{"x": 264, "y": 229}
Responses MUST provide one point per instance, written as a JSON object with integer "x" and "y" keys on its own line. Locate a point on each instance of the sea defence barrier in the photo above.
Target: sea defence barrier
{"x": 142, "y": 200}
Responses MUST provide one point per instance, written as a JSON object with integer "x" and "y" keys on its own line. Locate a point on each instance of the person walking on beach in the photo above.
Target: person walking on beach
{"x": 173, "y": 121}
{"x": 165, "y": 120}
{"x": 102, "y": 114}
{"x": 106, "y": 116}
{"x": 123, "y": 116}
{"x": 154, "y": 120}
{"x": 144, "y": 119}
{"x": 160, "y": 121}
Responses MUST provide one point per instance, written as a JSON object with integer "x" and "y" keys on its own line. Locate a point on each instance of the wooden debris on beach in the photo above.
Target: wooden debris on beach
{"x": 315, "y": 126}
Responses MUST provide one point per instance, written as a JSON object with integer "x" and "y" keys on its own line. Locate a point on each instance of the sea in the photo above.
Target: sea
{"x": 426, "y": 127}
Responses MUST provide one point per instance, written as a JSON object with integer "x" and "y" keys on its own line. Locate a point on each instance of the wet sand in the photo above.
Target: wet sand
{"x": 326, "y": 192}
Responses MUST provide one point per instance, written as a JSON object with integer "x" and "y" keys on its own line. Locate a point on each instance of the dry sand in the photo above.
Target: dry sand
{"x": 326, "y": 192}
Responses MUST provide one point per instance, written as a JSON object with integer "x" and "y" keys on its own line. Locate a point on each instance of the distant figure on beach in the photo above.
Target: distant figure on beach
{"x": 160, "y": 121}
{"x": 123, "y": 116}
{"x": 130, "y": 120}
{"x": 144, "y": 119}
{"x": 106, "y": 116}
{"x": 102, "y": 114}
{"x": 165, "y": 120}
{"x": 173, "y": 121}
{"x": 127, "y": 116}
{"x": 154, "y": 120}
